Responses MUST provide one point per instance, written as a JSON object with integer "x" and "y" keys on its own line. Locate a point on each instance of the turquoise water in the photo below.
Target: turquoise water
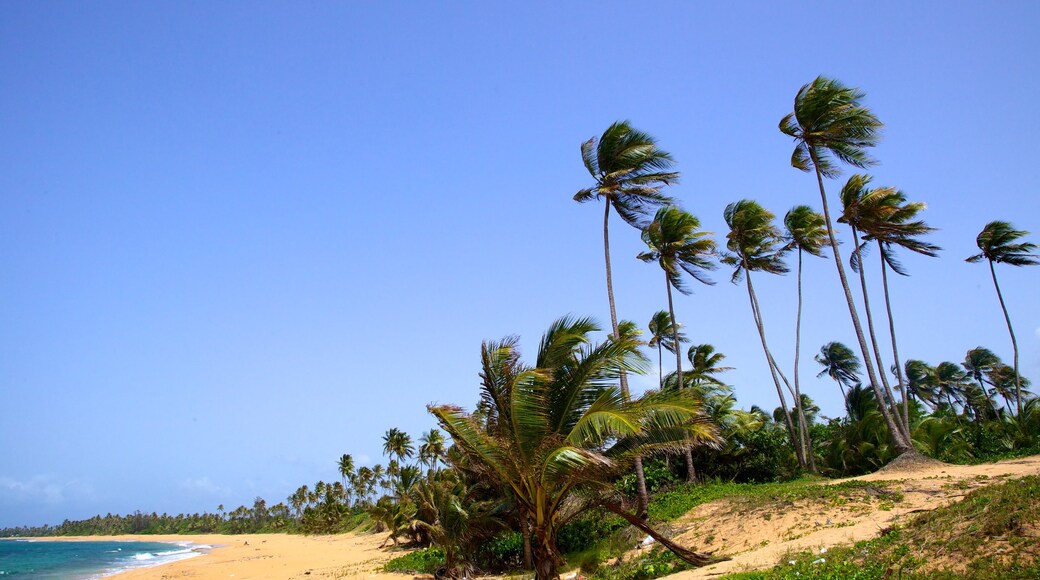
{"x": 84, "y": 560}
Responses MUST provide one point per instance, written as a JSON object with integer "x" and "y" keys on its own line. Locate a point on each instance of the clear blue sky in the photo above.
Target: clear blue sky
{"x": 239, "y": 239}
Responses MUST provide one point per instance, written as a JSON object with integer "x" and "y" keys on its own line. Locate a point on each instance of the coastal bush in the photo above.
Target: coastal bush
{"x": 425, "y": 561}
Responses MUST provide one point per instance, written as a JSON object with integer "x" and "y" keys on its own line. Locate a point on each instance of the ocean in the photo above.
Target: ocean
{"x": 85, "y": 560}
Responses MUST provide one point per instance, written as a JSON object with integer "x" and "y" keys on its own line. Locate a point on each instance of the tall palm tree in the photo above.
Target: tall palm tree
{"x": 677, "y": 245}
{"x": 755, "y": 244}
{"x": 828, "y": 122}
{"x": 346, "y": 468}
{"x": 840, "y": 364}
{"x": 629, "y": 170}
{"x": 662, "y": 333}
{"x": 569, "y": 429}
{"x": 806, "y": 233}
{"x": 859, "y": 201}
{"x": 892, "y": 222}
{"x": 996, "y": 242}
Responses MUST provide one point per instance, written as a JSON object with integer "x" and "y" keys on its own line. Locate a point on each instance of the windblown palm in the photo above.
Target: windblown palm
{"x": 433, "y": 448}
{"x": 840, "y": 364}
{"x": 755, "y": 245}
{"x": 921, "y": 382}
{"x": 677, "y": 245}
{"x": 662, "y": 336}
{"x": 568, "y": 429}
{"x": 630, "y": 170}
{"x": 829, "y": 123}
{"x": 705, "y": 363}
{"x": 806, "y": 233}
{"x": 997, "y": 242}
{"x": 891, "y": 221}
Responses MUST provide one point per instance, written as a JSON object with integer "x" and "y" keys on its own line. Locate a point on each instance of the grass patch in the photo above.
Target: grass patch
{"x": 992, "y": 533}
{"x": 425, "y": 561}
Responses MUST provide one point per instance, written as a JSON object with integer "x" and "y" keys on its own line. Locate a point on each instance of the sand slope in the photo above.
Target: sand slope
{"x": 757, "y": 539}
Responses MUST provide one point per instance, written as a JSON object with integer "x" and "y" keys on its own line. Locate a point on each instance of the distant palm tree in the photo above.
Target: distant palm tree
{"x": 996, "y": 242}
{"x": 346, "y": 468}
{"x": 1002, "y": 377}
{"x": 397, "y": 443}
{"x": 951, "y": 381}
{"x": 432, "y": 448}
{"x": 921, "y": 382}
{"x": 807, "y": 233}
{"x": 662, "y": 332}
{"x": 840, "y": 364}
{"x": 755, "y": 244}
{"x": 827, "y": 121}
{"x": 677, "y": 245}
{"x": 629, "y": 170}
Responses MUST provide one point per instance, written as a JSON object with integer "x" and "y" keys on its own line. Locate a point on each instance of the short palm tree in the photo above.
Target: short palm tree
{"x": 705, "y": 363}
{"x": 629, "y": 170}
{"x": 997, "y": 245}
{"x": 756, "y": 244}
{"x": 398, "y": 443}
{"x": 568, "y": 430}
{"x": 346, "y": 468}
{"x": 662, "y": 337}
{"x": 828, "y": 122}
{"x": 921, "y": 382}
{"x": 841, "y": 364}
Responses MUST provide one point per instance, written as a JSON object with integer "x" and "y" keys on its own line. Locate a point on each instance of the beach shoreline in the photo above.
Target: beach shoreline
{"x": 262, "y": 556}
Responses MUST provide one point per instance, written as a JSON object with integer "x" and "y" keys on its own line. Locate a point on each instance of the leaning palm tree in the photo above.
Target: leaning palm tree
{"x": 892, "y": 222}
{"x": 569, "y": 429}
{"x": 997, "y": 244}
{"x": 828, "y": 122}
{"x": 840, "y": 364}
{"x": 662, "y": 337}
{"x": 755, "y": 244}
{"x": 807, "y": 233}
{"x": 630, "y": 170}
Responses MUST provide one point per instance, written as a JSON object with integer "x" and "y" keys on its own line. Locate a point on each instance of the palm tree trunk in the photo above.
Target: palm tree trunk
{"x": 795, "y": 441}
{"x": 691, "y": 472}
{"x": 688, "y": 556}
{"x": 895, "y": 349}
{"x": 660, "y": 364}
{"x": 891, "y": 399}
{"x": 803, "y": 427}
{"x": 899, "y": 439}
{"x": 1014, "y": 343}
{"x": 644, "y": 497}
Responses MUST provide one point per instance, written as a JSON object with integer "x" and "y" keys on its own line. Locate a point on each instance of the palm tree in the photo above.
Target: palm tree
{"x": 951, "y": 382}
{"x": 840, "y": 364}
{"x": 891, "y": 221}
{"x": 629, "y": 170}
{"x": 858, "y": 200}
{"x": 996, "y": 242}
{"x": 432, "y": 448}
{"x": 1002, "y": 377}
{"x": 398, "y": 443}
{"x": 704, "y": 365}
{"x": 568, "y": 429}
{"x": 346, "y": 468}
{"x": 828, "y": 121}
{"x": 807, "y": 233}
{"x": 662, "y": 333}
{"x": 755, "y": 245}
{"x": 677, "y": 245}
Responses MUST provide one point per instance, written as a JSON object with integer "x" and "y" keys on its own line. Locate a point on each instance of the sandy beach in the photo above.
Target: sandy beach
{"x": 269, "y": 557}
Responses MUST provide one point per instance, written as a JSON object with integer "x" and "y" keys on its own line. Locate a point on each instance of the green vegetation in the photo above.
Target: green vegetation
{"x": 991, "y": 533}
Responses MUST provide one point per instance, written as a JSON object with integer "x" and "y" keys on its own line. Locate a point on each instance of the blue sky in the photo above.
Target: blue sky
{"x": 240, "y": 239}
